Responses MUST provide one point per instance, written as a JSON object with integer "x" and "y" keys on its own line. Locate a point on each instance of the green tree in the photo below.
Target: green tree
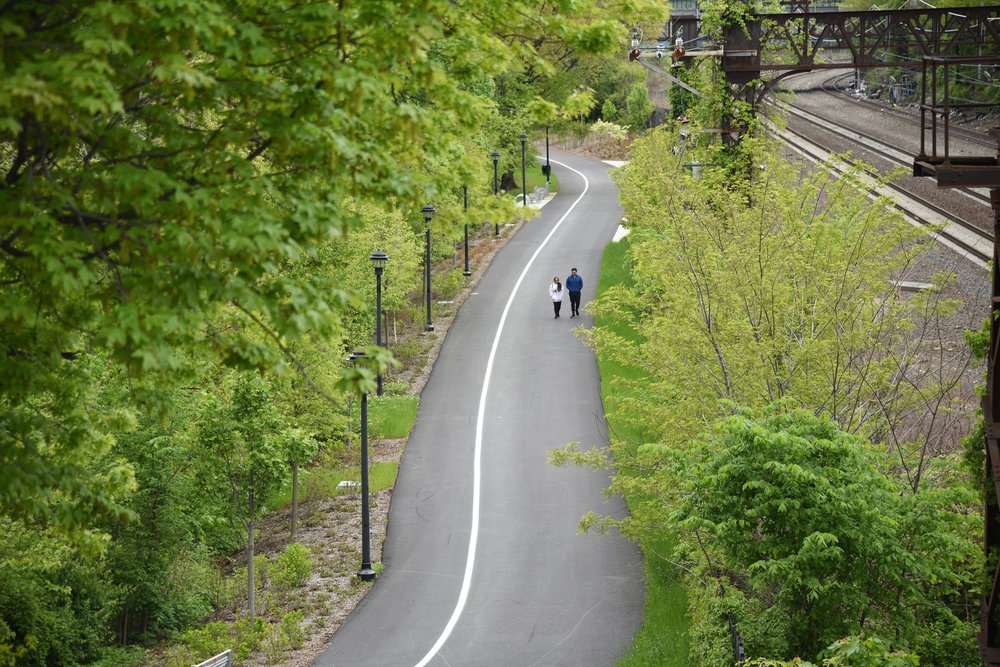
{"x": 608, "y": 111}
{"x": 54, "y": 608}
{"x": 245, "y": 456}
{"x": 612, "y": 79}
{"x": 760, "y": 284}
{"x": 860, "y": 651}
{"x": 299, "y": 447}
{"x": 579, "y": 104}
{"x": 780, "y": 285}
{"x": 799, "y": 513}
{"x": 189, "y": 189}
{"x": 638, "y": 108}
{"x": 161, "y": 164}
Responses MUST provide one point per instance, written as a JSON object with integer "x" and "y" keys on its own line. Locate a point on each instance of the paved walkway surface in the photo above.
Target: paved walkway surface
{"x": 531, "y": 590}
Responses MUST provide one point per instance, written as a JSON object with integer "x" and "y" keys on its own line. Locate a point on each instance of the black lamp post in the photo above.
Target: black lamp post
{"x": 548, "y": 167}
{"x": 379, "y": 260}
{"x": 496, "y": 157}
{"x": 428, "y": 212}
{"x": 366, "y": 573}
{"x": 524, "y": 180}
{"x": 465, "y": 199}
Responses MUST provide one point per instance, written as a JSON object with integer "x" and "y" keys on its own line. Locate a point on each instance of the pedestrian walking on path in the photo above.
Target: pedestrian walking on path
{"x": 574, "y": 285}
{"x": 556, "y": 292}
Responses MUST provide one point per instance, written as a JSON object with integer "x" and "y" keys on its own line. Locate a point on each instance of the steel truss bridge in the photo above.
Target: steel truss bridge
{"x": 793, "y": 41}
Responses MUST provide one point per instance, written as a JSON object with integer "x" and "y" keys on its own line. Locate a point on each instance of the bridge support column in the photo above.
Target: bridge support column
{"x": 989, "y": 634}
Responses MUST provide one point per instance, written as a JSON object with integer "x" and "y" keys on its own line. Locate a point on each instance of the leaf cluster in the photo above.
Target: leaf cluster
{"x": 799, "y": 517}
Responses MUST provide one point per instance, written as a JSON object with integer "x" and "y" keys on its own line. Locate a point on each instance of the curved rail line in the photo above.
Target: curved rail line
{"x": 963, "y": 236}
{"x": 830, "y": 86}
{"x": 968, "y": 239}
{"x": 879, "y": 147}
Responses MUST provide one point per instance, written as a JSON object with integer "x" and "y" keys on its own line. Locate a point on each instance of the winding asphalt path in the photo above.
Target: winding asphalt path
{"x": 537, "y": 592}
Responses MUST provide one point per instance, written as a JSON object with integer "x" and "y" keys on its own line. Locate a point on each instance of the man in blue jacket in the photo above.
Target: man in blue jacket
{"x": 574, "y": 285}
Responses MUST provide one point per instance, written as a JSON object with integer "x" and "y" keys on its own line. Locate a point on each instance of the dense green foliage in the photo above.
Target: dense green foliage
{"x": 843, "y": 518}
{"x": 190, "y": 193}
{"x": 818, "y": 543}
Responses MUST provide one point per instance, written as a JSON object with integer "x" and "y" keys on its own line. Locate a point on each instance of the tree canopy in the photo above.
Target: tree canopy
{"x": 190, "y": 191}
{"x": 164, "y": 162}
{"x": 830, "y": 505}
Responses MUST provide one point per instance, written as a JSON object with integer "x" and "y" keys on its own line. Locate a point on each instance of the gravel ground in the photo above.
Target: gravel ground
{"x": 899, "y": 132}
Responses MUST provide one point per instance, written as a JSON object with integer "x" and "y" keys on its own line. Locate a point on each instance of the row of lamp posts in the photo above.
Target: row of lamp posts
{"x": 379, "y": 259}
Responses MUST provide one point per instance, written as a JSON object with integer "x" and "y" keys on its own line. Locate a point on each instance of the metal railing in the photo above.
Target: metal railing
{"x": 224, "y": 659}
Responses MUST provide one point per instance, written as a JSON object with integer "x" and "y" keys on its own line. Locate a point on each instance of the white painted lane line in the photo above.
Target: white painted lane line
{"x": 477, "y": 459}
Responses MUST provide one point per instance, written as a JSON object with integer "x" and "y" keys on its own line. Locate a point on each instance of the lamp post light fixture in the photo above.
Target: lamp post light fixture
{"x": 496, "y": 157}
{"x": 366, "y": 573}
{"x": 428, "y": 212}
{"x": 524, "y": 179}
{"x": 465, "y": 199}
{"x": 379, "y": 259}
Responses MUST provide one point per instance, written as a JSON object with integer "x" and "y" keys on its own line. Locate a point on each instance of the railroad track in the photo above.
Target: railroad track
{"x": 832, "y": 87}
{"x": 877, "y": 146}
{"x": 961, "y": 236}
{"x": 966, "y": 238}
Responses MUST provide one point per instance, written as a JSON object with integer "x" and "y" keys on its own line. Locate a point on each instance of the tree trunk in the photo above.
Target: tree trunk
{"x": 295, "y": 496}
{"x": 251, "y": 588}
{"x": 385, "y": 327}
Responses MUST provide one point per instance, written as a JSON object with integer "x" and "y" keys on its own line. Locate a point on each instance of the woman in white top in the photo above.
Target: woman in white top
{"x": 556, "y": 292}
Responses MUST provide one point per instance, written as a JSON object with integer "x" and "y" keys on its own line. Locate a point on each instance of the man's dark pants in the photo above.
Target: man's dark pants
{"x": 574, "y": 302}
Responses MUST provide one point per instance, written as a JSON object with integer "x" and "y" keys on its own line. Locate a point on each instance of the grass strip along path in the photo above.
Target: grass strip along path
{"x": 663, "y": 640}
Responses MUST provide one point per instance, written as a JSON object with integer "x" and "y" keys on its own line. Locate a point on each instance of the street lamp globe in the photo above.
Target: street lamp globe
{"x": 379, "y": 259}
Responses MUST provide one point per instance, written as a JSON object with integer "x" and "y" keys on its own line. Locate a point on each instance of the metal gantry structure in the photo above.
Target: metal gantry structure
{"x": 959, "y": 171}
{"x": 790, "y": 42}
{"x": 773, "y": 46}
{"x": 782, "y": 44}
{"x": 793, "y": 40}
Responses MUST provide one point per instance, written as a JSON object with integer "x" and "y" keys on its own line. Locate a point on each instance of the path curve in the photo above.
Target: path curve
{"x": 539, "y": 593}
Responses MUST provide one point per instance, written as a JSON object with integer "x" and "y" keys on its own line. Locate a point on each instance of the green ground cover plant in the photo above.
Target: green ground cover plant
{"x": 392, "y": 416}
{"x": 662, "y": 640}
